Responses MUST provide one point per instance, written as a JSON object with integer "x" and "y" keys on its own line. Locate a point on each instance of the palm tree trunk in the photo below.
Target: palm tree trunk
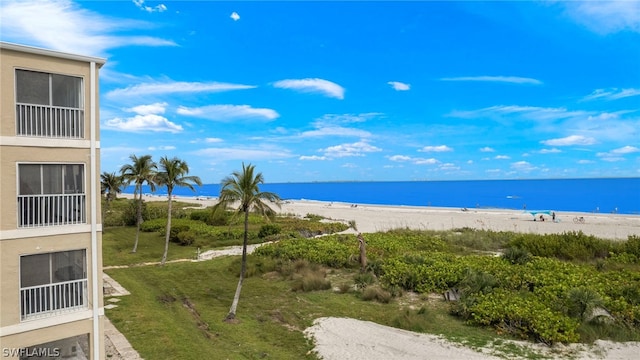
{"x": 236, "y": 297}
{"x": 138, "y": 218}
{"x": 166, "y": 239}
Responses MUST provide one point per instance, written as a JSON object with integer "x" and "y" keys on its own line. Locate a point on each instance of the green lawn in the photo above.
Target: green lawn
{"x": 157, "y": 322}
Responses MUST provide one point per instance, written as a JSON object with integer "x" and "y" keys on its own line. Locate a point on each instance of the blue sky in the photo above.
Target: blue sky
{"x": 342, "y": 91}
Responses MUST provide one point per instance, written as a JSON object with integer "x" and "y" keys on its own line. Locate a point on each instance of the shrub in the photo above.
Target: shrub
{"x": 376, "y": 293}
{"x": 268, "y": 229}
{"x": 517, "y": 255}
{"x": 130, "y": 212}
{"x": 311, "y": 281}
{"x": 362, "y": 280}
{"x": 200, "y": 215}
{"x": 185, "y": 238}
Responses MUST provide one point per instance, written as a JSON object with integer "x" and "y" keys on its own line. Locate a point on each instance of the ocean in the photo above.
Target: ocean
{"x": 605, "y": 195}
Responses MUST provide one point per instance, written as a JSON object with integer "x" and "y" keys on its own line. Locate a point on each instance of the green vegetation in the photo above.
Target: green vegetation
{"x": 546, "y": 288}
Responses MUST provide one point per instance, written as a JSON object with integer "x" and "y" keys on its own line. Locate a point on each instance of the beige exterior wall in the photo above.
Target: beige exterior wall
{"x": 16, "y": 241}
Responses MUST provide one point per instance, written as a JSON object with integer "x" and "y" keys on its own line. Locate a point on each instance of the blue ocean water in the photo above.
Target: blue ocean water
{"x": 604, "y": 195}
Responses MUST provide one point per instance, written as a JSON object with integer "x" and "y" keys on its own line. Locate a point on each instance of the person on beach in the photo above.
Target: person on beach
{"x": 553, "y": 216}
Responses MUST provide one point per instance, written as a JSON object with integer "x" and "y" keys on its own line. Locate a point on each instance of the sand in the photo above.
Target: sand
{"x": 374, "y": 218}
{"x": 352, "y": 339}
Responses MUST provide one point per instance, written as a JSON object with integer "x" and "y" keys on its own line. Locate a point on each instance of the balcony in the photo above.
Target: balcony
{"x": 49, "y": 121}
{"x": 53, "y": 299}
{"x": 51, "y": 210}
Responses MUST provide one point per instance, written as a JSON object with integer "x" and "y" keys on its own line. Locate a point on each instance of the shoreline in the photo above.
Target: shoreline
{"x": 375, "y": 218}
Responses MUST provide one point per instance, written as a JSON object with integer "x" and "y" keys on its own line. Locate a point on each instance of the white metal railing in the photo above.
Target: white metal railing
{"x": 49, "y": 121}
{"x": 52, "y": 299}
{"x": 51, "y": 210}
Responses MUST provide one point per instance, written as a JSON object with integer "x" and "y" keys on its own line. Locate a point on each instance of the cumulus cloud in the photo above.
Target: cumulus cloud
{"x": 550, "y": 151}
{"x": 235, "y": 16}
{"x": 570, "y": 140}
{"x": 399, "y": 86}
{"x": 439, "y": 148}
{"x": 312, "y": 85}
{"x": 523, "y": 166}
{"x": 346, "y": 118}
{"x": 229, "y": 112}
{"x": 65, "y": 26}
{"x": 502, "y": 157}
{"x": 359, "y": 148}
{"x": 617, "y": 154}
{"x": 487, "y": 149}
{"x": 313, "y": 157}
{"x": 505, "y": 79}
{"x": 142, "y": 123}
{"x": 611, "y": 94}
{"x": 174, "y": 87}
{"x": 414, "y": 160}
{"x": 158, "y": 8}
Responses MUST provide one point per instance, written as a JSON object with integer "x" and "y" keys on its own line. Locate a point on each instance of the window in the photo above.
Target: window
{"x": 76, "y": 347}
{"x": 53, "y": 282}
{"x": 51, "y": 194}
{"x": 49, "y": 105}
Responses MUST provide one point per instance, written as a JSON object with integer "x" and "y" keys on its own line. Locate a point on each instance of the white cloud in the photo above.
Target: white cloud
{"x": 605, "y": 17}
{"x": 229, "y": 112}
{"x": 399, "y": 86}
{"x": 166, "y": 147}
{"x": 174, "y": 87}
{"x": 211, "y": 140}
{"x": 625, "y": 150}
{"x": 611, "y": 94}
{"x": 313, "y": 157}
{"x": 142, "y": 124}
{"x": 155, "y": 108}
{"x": 439, "y": 148}
{"x": 312, "y": 85}
{"x": 244, "y": 153}
{"x": 65, "y": 26}
{"x": 570, "y": 140}
{"x": 416, "y": 161}
{"x": 421, "y": 161}
{"x": 399, "y": 158}
{"x": 493, "y": 171}
{"x": 334, "y": 131}
{"x": 585, "y": 161}
{"x": 487, "y": 149}
{"x": 550, "y": 151}
{"x": 158, "y": 8}
{"x": 235, "y": 16}
{"x": 346, "y": 118}
{"x": 506, "y": 79}
{"x": 523, "y": 166}
{"x": 502, "y": 157}
{"x": 526, "y": 112}
{"x": 353, "y": 149}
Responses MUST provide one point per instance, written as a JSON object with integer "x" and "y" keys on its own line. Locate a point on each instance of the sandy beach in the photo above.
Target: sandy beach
{"x": 352, "y": 339}
{"x": 374, "y": 218}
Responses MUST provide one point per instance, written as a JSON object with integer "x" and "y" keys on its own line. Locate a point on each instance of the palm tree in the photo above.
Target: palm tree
{"x": 142, "y": 169}
{"x": 111, "y": 185}
{"x": 173, "y": 172}
{"x": 241, "y": 188}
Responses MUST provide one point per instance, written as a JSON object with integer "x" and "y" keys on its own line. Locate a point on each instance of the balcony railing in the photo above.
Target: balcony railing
{"x": 53, "y": 299}
{"x": 49, "y": 121}
{"x": 51, "y": 210}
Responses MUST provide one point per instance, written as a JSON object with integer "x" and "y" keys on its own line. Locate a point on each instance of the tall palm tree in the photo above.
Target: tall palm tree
{"x": 142, "y": 169}
{"x": 173, "y": 172}
{"x": 241, "y": 189}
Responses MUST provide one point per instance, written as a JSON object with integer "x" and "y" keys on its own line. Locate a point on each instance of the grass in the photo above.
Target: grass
{"x": 177, "y": 311}
{"x": 156, "y": 321}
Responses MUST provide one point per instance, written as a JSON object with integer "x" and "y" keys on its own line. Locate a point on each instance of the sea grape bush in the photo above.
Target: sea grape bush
{"x": 531, "y": 299}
